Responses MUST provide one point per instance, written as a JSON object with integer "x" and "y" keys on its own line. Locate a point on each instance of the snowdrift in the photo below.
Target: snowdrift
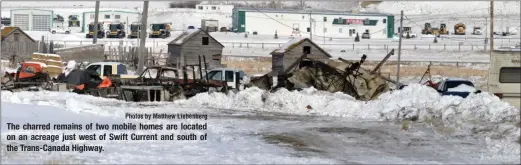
{"x": 415, "y": 100}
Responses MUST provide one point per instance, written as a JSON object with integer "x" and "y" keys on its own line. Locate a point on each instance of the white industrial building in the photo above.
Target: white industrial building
{"x": 32, "y": 19}
{"x": 206, "y": 8}
{"x": 327, "y": 24}
{"x": 108, "y": 17}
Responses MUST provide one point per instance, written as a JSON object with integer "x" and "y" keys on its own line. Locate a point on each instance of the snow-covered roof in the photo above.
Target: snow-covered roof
{"x": 187, "y": 35}
{"x": 289, "y": 45}
{"x": 294, "y": 43}
{"x": 314, "y": 11}
{"x": 462, "y": 88}
{"x": 50, "y": 55}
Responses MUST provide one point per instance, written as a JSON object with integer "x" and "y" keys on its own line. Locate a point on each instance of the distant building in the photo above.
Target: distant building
{"x": 32, "y": 19}
{"x": 289, "y": 53}
{"x": 108, "y": 17}
{"x": 6, "y": 21}
{"x": 323, "y": 23}
{"x": 207, "y": 8}
{"x": 16, "y": 44}
{"x": 187, "y": 48}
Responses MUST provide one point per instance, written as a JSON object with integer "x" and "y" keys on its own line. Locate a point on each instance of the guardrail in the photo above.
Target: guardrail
{"x": 455, "y": 46}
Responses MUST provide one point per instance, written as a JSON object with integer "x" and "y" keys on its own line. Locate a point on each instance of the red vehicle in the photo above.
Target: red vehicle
{"x": 28, "y": 74}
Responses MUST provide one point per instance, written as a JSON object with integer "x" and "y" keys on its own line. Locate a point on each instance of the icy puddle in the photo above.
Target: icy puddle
{"x": 372, "y": 142}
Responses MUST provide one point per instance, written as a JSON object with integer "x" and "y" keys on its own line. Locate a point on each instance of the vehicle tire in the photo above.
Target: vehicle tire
{"x": 53, "y": 32}
{"x": 67, "y": 32}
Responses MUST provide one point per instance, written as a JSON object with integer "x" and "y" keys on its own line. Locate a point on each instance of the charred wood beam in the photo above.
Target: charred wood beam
{"x": 383, "y": 61}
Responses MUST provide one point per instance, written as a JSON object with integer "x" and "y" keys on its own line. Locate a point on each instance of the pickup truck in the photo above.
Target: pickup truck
{"x": 456, "y": 87}
{"x": 234, "y": 77}
{"x": 60, "y": 30}
{"x": 105, "y": 69}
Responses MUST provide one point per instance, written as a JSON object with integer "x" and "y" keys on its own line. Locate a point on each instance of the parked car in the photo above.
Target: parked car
{"x": 60, "y": 30}
{"x": 366, "y": 36}
{"x": 456, "y": 87}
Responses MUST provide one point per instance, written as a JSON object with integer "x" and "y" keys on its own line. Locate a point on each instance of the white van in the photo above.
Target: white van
{"x": 504, "y": 75}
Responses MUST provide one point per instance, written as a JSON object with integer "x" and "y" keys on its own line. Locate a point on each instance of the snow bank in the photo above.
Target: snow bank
{"x": 413, "y": 101}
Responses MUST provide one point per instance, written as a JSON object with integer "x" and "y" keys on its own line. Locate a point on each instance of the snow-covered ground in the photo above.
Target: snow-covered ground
{"x": 244, "y": 129}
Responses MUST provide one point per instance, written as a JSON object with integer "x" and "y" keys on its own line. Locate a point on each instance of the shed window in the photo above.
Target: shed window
{"x": 16, "y": 36}
{"x": 117, "y": 16}
{"x": 200, "y": 7}
{"x": 205, "y": 41}
{"x": 303, "y": 17}
{"x": 385, "y": 20}
{"x": 325, "y": 19}
{"x": 510, "y": 75}
{"x": 306, "y": 50}
{"x": 308, "y": 29}
{"x": 214, "y": 8}
{"x": 107, "y": 16}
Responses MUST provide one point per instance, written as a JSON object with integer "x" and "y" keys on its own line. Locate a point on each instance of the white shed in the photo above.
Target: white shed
{"x": 110, "y": 16}
{"x": 32, "y": 19}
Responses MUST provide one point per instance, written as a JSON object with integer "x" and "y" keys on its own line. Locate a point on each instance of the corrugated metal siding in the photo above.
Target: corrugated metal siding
{"x": 41, "y": 23}
{"x": 21, "y": 21}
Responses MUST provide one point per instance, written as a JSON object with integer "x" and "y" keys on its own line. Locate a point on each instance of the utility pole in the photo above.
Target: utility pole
{"x": 142, "y": 35}
{"x": 400, "y": 51}
{"x": 491, "y": 26}
{"x": 310, "y": 30}
{"x": 486, "y": 31}
{"x": 324, "y": 31}
{"x": 96, "y": 15}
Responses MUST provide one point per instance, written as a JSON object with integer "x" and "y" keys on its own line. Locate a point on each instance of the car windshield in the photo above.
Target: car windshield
{"x": 134, "y": 27}
{"x": 157, "y": 27}
{"x": 115, "y": 27}
{"x": 215, "y": 75}
{"x": 150, "y": 73}
{"x": 95, "y": 68}
{"x": 454, "y": 84}
{"x": 91, "y": 27}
